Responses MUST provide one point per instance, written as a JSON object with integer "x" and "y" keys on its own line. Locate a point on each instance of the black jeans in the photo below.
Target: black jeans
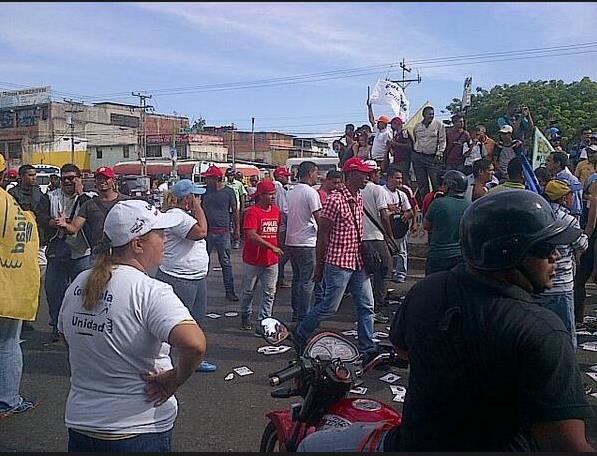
{"x": 379, "y": 277}
{"x": 583, "y": 274}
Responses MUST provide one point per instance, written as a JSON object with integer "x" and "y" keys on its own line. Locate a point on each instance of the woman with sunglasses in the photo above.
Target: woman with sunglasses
{"x": 560, "y": 297}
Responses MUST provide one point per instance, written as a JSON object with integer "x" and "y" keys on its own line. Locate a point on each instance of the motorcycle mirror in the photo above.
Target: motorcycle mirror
{"x": 274, "y": 331}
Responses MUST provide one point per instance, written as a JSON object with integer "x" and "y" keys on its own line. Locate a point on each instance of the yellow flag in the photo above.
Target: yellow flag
{"x": 416, "y": 118}
{"x": 19, "y": 268}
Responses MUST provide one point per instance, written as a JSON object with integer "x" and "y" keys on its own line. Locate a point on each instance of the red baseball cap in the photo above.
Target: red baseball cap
{"x": 213, "y": 171}
{"x": 384, "y": 119}
{"x": 12, "y": 173}
{"x": 357, "y": 164}
{"x": 105, "y": 171}
{"x": 282, "y": 171}
{"x": 265, "y": 186}
{"x": 398, "y": 120}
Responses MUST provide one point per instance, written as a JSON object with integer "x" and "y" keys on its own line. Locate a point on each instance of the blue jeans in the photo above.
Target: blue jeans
{"x": 156, "y": 441}
{"x": 11, "y": 363}
{"x": 302, "y": 260}
{"x": 267, "y": 276}
{"x": 192, "y": 293}
{"x": 221, "y": 242}
{"x": 59, "y": 275}
{"x": 402, "y": 258}
{"x": 346, "y": 439}
{"x": 337, "y": 280}
{"x": 284, "y": 258}
{"x": 562, "y": 305}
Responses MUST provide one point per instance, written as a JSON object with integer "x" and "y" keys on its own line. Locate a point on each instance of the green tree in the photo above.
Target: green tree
{"x": 198, "y": 125}
{"x": 572, "y": 105}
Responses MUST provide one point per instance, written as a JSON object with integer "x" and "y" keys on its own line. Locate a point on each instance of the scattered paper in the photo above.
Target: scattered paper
{"x": 231, "y": 314}
{"x": 593, "y": 375}
{"x": 590, "y": 346}
{"x": 387, "y": 328}
{"x": 216, "y": 268}
{"x": 389, "y": 378}
{"x": 593, "y": 368}
{"x": 594, "y": 395}
{"x": 381, "y": 335}
{"x": 350, "y": 332}
{"x": 399, "y": 393}
{"x": 213, "y": 315}
{"x": 359, "y": 390}
{"x": 589, "y": 319}
{"x": 242, "y": 371}
{"x": 230, "y": 376}
{"x": 584, "y": 333}
{"x": 272, "y": 350}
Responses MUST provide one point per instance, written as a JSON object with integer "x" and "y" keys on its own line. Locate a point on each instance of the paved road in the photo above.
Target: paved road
{"x": 214, "y": 415}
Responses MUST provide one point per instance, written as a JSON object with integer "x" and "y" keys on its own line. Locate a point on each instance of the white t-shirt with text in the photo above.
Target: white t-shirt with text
{"x": 301, "y": 228}
{"x": 111, "y": 346}
{"x": 184, "y": 258}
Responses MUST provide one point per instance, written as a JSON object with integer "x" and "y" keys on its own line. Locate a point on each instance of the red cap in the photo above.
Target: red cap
{"x": 213, "y": 171}
{"x": 357, "y": 164}
{"x": 282, "y": 171}
{"x": 264, "y": 186}
{"x": 105, "y": 171}
{"x": 12, "y": 173}
{"x": 398, "y": 120}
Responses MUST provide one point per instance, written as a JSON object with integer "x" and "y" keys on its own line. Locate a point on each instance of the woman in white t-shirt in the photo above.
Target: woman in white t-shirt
{"x": 119, "y": 324}
{"x": 186, "y": 260}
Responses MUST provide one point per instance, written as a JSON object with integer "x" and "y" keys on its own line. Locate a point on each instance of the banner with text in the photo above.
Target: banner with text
{"x": 541, "y": 149}
{"x": 390, "y": 93}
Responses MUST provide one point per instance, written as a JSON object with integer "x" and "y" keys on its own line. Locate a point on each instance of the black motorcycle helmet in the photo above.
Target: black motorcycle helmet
{"x": 455, "y": 181}
{"x": 497, "y": 230}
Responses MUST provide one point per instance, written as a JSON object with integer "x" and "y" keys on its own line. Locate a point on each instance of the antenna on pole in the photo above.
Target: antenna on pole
{"x": 404, "y": 83}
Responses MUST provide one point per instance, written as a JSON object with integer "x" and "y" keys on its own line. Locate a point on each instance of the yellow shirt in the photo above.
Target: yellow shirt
{"x": 19, "y": 269}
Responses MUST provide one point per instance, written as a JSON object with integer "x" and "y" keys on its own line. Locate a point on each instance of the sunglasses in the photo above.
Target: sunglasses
{"x": 543, "y": 250}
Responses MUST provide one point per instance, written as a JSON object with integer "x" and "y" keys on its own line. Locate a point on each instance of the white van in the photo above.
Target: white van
{"x": 324, "y": 164}
{"x": 43, "y": 175}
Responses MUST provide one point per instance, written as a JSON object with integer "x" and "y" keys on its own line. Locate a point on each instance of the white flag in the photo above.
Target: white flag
{"x": 390, "y": 93}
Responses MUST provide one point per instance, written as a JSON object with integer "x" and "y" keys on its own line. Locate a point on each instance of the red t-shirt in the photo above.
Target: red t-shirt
{"x": 265, "y": 223}
{"x": 322, "y": 195}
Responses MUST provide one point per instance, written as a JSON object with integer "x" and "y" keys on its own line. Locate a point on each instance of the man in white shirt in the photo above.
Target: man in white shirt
{"x": 281, "y": 175}
{"x": 398, "y": 206}
{"x": 382, "y": 136}
{"x": 430, "y": 143}
{"x": 304, "y": 206}
{"x": 375, "y": 204}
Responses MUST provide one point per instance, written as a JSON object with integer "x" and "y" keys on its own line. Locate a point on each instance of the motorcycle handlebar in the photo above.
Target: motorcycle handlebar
{"x": 285, "y": 375}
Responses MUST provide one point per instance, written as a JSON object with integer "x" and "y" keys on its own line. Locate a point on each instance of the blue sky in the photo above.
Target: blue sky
{"x": 93, "y": 49}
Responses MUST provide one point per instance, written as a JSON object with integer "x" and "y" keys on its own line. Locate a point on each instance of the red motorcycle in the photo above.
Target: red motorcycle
{"x": 323, "y": 376}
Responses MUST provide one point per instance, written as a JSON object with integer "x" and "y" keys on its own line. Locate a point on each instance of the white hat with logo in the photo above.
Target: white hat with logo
{"x": 131, "y": 219}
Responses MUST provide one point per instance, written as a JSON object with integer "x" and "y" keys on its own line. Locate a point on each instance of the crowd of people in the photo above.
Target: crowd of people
{"x": 124, "y": 279}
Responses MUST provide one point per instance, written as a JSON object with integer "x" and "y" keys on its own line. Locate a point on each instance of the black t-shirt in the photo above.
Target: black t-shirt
{"x": 218, "y": 206}
{"x": 94, "y": 212}
{"x": 486, "y": 362}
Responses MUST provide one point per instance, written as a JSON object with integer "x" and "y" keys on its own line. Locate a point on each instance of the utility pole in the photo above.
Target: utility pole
{"x": 404, "y": 83}
{"x": 72, "y": 113}
{"x": 142, "y": 137}
{"x": 233, "y": 155}
{"x": 254, "y": 155}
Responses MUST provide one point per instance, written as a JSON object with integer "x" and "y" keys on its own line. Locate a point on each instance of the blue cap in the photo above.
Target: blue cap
{"x": 186, "y": 187}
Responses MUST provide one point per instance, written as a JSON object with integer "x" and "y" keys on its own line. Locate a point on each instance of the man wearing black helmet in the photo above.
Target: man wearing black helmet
{"x": 442, "y": 221}
{"x": 490, "y": 369}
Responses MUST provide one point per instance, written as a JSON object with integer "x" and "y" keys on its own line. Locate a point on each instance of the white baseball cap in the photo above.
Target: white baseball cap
{"x": 131, "y": 219}
{"x": 506, "y": 129}
{"x": 373, "y": 164}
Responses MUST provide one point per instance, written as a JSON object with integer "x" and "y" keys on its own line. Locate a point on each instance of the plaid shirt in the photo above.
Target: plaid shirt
{"x": 344, "y": 241}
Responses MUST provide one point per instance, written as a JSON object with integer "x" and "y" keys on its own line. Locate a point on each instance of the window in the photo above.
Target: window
{"x": 26, "y": 118}
{"x": 181, "y": 151}
{"x": 99, "y": 154}
{"x": 125, "y": 151}
{"x": 14, "y": 150}
{"x": 6, "y": 119}
{"x": 153, "y": 151}
{"x": 124, "y": 121}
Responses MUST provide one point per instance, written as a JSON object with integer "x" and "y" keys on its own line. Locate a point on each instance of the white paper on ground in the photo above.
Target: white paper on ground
{"x": 230, "y": 376}
{"x": 359, "y": 390}
{"x": 593, "y": 368}
{"x": 399, "y": 393}
{"x": 594, "y": 395}
{"x": 381, "y": 335}
{"x": 589, "y": 319}
{"x": 273, "y": 350}
{"x": 590, "y": 346}
{"x": 593, "y": 375}
{"x": 231, "y": 314}
{"x": 242, "y": 371}
{"x": 584, "y": 333}
{"x": 389, "y": 378}
{"x": 212, "y": 315}
{"x": 350, "y": 332}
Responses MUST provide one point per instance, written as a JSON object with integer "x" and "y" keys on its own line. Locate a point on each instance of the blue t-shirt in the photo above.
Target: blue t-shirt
{"x": 218, "y": 206}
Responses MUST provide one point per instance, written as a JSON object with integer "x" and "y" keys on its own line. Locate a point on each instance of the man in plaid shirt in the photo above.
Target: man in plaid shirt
{"x": 338, "y": 257}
